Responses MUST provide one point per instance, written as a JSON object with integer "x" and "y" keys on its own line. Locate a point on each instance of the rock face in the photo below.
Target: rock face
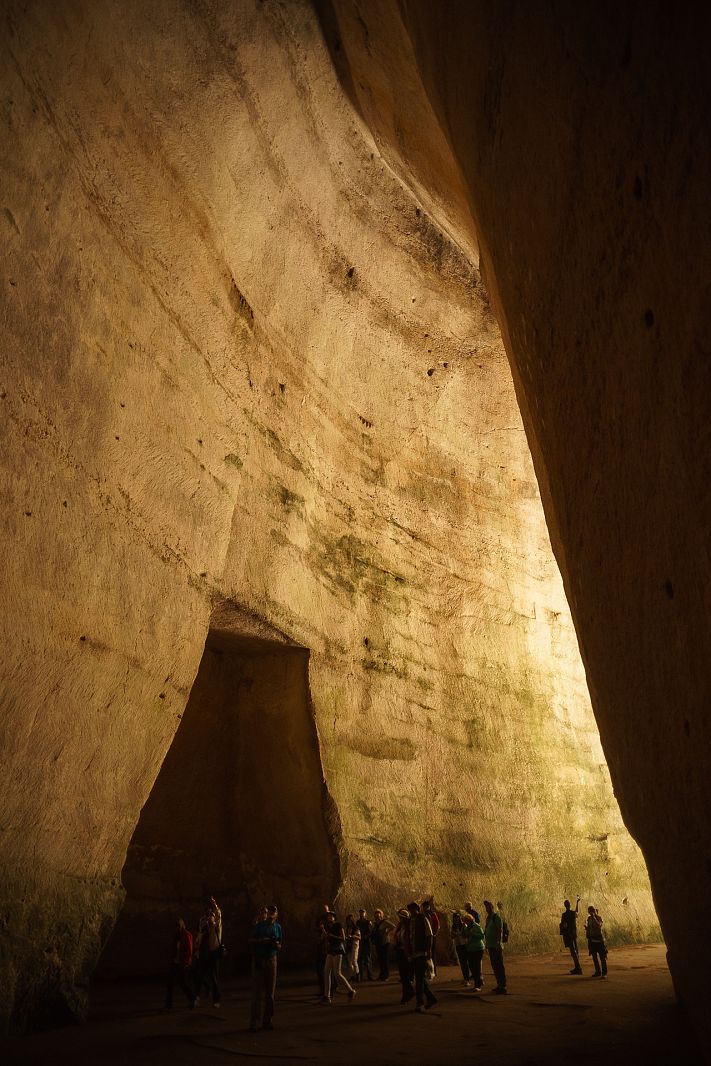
{"x": 582, "y": 141}
{"x": 262, "y": 446}
{"x": 239, "y": 809}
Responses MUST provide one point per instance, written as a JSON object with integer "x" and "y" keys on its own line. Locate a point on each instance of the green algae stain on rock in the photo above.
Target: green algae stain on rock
{"x": 357, "y": 568}
{"x": 292, "y": 502}
{"x": 234, "y": 460}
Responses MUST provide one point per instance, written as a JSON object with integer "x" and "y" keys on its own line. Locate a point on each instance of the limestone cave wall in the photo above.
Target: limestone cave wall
{"x": 245, "y": 362}
{"x": 582, "y": 138}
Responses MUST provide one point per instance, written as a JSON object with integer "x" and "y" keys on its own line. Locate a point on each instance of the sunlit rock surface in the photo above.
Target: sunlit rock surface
{"x": 581, "y": 138}
{"x": 244, "y": 363}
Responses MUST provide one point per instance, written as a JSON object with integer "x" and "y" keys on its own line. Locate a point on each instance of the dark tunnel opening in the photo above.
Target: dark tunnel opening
{"x": 239, "y": 811}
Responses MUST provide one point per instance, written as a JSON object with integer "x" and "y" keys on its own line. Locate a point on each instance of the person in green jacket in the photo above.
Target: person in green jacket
{"x": 474, "y": 935}
{"x": 493, "y": 938}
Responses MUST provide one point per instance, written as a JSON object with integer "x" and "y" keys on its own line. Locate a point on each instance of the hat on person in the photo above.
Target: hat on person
{"x": 403, "y": 913}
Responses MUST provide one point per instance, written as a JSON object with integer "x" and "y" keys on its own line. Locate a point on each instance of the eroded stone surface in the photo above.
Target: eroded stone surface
{"x": 243, "y": 361}
{"x": 583, "y": 141}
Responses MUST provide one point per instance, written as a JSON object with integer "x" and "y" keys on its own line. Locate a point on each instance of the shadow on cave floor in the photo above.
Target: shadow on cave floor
{"x": 549, "y": 1017}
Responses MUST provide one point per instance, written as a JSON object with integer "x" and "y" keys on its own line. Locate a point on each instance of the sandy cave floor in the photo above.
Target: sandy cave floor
{"x": 548, "y": 1017}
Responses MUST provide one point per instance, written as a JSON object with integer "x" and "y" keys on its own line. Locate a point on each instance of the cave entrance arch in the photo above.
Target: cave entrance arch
{"x": 239, "y": 810}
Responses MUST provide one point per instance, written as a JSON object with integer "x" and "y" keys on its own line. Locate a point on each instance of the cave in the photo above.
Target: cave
{"x": 239, "y": 811}
{"x": 363, "y": 347}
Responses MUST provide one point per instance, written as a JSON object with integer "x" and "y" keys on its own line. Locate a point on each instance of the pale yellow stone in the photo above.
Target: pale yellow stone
{"x": 220, "y": 313}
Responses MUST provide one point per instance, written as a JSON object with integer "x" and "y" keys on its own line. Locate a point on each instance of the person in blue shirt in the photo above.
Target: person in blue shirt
{"x": 265, "y": 940}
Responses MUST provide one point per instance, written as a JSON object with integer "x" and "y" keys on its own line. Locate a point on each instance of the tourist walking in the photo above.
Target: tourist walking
{"x": 569, "y": 931}
{"x": 420, "y": 955}
{"x": 596, "y": 942}
{"x": 335, "y": 951}
{"x": 493, "y": 938}
{"x": 265, "y": 940}
{"x": 382, "y": 929}
{"x": 474, "y": 935}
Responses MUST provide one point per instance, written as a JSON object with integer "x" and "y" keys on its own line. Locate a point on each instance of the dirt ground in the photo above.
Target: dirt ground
{"x": 548, "y": 1017}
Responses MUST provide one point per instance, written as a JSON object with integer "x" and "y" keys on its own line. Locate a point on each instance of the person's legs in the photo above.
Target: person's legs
{"x": 184, "y": 979}
{"x": 596, "y": 960}
{"x": 327, "y": 970}
{"x": 198, "y": 977}
{"x": 420, "y": 965}
{"x": 404, "y": 970}
{"x": 429, "y": 994}
{"x": 353, "y": 959}
{"x": 475, "y": 958}
{"x": 270, "y": 976}
{"x": 603, "y": 960}
{"x": 340, "y": 977}
{"x": 573, "y": 945}
{"x": 255, "y": 1012}
{"x": 496, "y": 956}
{"x": 214, "y": 974}
{"x": 463, "y": 957}
{"x": 383, "y": 962}
{"x": 366, "y": 950}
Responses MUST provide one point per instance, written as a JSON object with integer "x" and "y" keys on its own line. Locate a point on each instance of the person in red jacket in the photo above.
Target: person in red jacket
{"x": 180, "y": 964}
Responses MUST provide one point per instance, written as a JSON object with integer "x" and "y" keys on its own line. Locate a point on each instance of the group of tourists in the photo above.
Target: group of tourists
{"x": 345, "y": 952}
{"x": 355, "y": 943}
{"x": 597, "y": 948}
{"x": 470, "y": 939}
{"x": 195, "y": 960}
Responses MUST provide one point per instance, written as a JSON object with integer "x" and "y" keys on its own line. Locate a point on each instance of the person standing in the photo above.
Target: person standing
{"x": 265, "y": 940}
{"x": 569, "y": 931}
{"x": 420, "y": 955}
{"x": 402, "y": 955}
{"x": 382, "y": 929}
{"x": 596, "y": 943}
{"x": 493, "y": 938}
{"x": 335, "y": 950}
{"x": 320, "y": 947}
{"x": 180, "y": 965}
{"x": 459, "y": 940}
{"x": 209, "y": 950}
{"x": 475, "y": 947}
{"x": 365, "y": 956}
{"x": 428, "y": 909}
{"x": 352, "y": 947}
